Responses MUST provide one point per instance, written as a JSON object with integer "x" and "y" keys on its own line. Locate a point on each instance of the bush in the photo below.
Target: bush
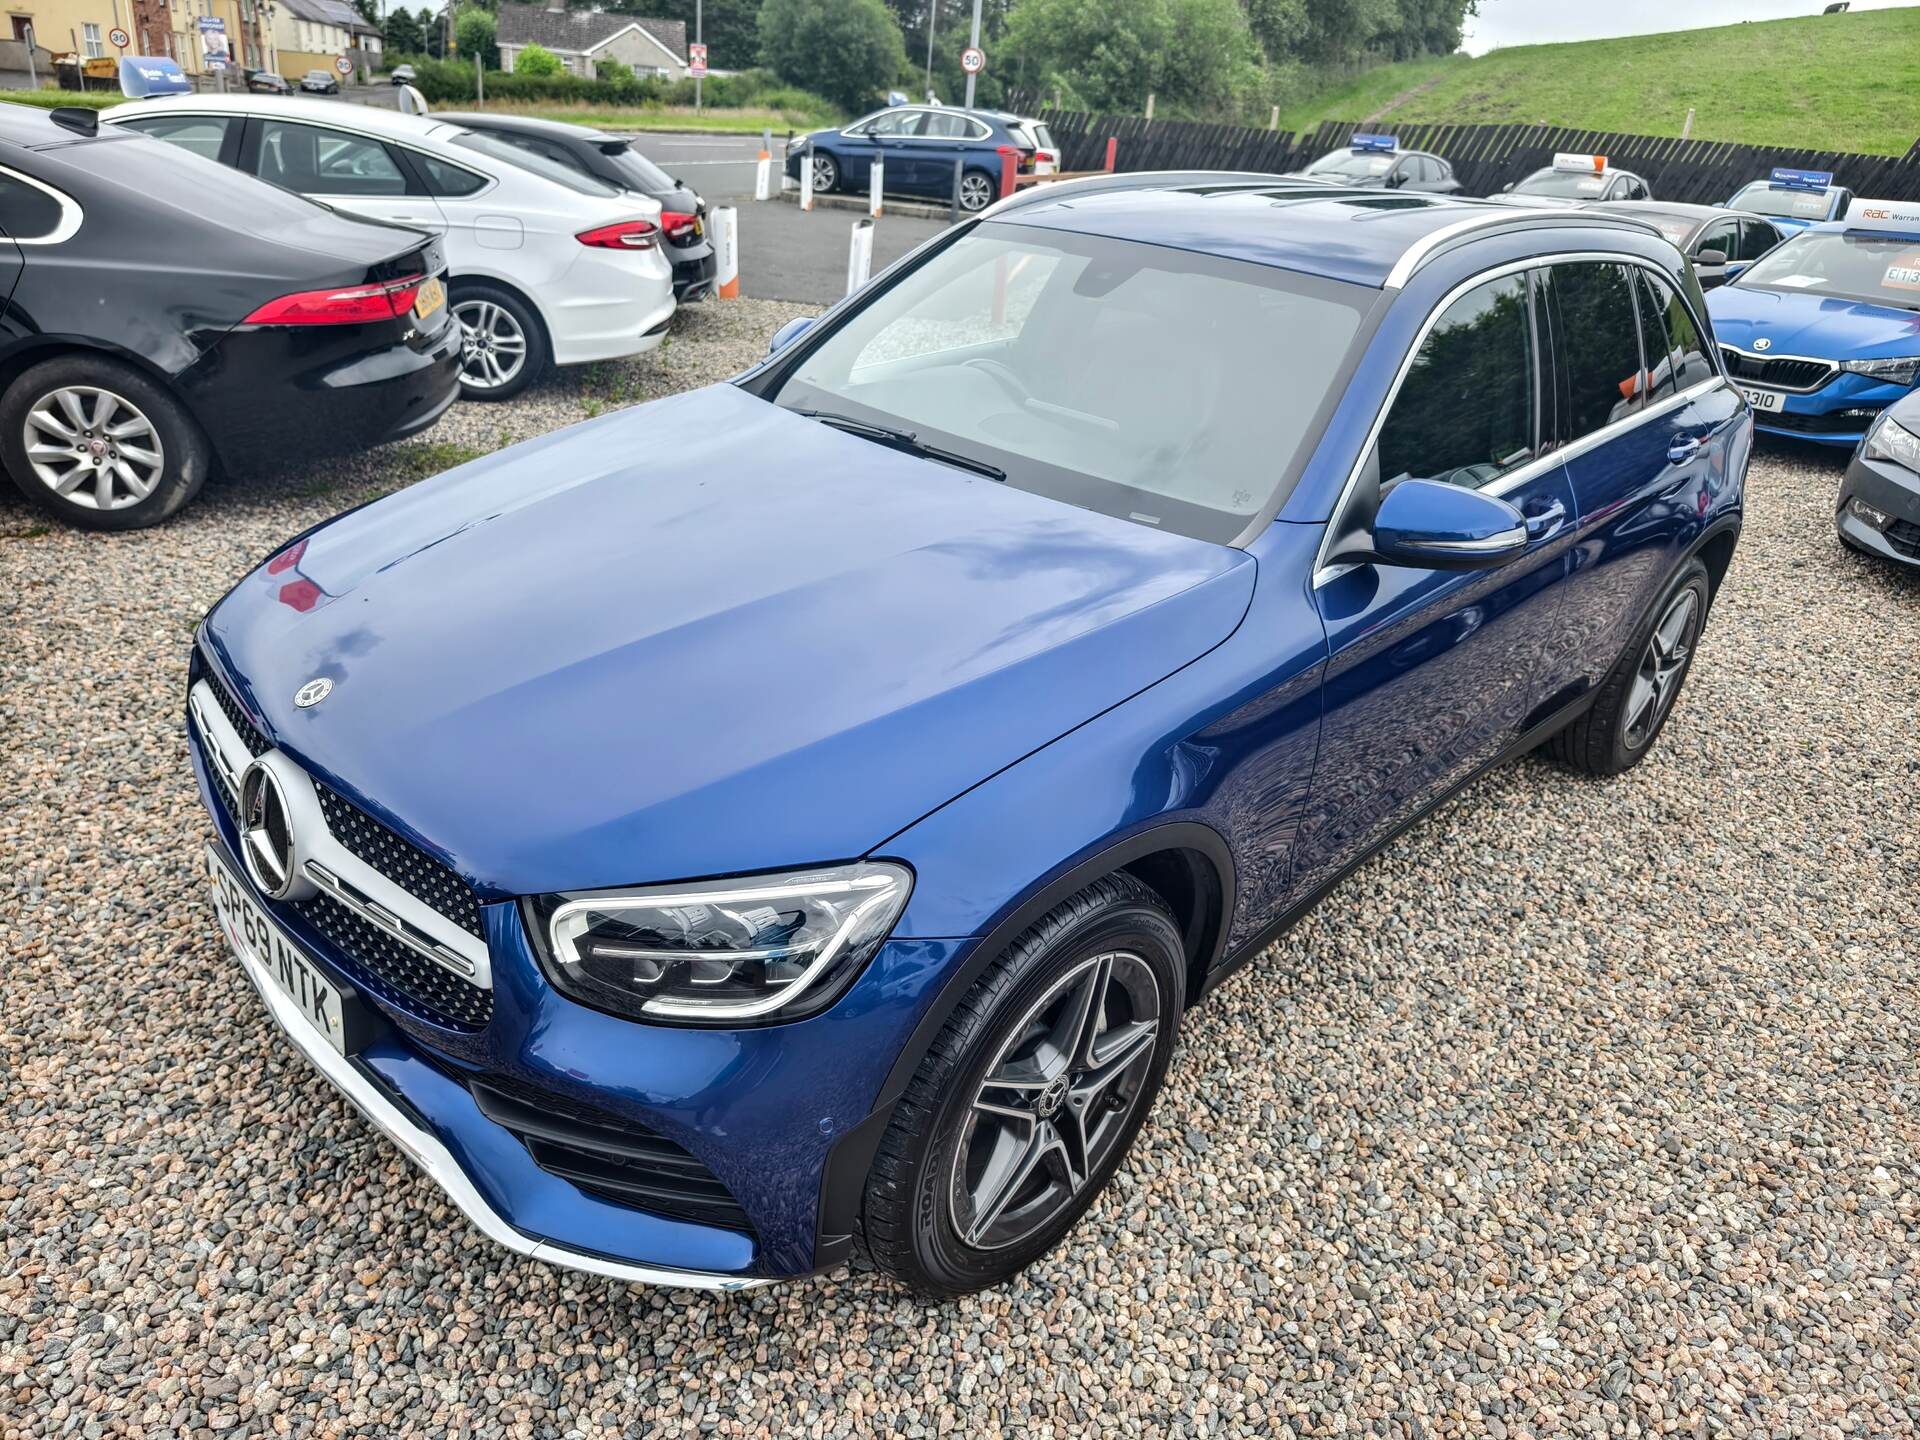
{"x": 847, "y": 50}
{"x": 537, "y": 62}
{"x": 613, "y": 70}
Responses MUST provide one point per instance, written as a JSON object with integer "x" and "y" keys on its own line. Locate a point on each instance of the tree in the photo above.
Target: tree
{"x": 403, "y": 33}
{"x": 731, "y": 27}
{"x": 473, "y": 35}
{"x": 847, "y": 50}
{"x": 536, "y": 61}
{"x": 1106, "y": 56}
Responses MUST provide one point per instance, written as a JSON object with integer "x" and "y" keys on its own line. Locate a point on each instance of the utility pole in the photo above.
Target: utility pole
{"x": 699, "y": 38}
{"x": 975, "y": 43}
{"x": 933, "y": 14}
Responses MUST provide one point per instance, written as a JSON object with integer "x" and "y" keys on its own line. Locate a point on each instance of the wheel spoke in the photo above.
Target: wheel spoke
{"x": 129, "y": 428}
{"x": 1016, "y": 1176}
{"x": 1084, "y": 1014}
{"x": 1120, "y": 1047}
{"x": 103, "y": 488}
{"x": 46, "y": 420}
{"x": 103, "y": 408}
{"x": 139, "y": 455}
{"x": 1642, "y": 700}
{"x": 70, "y": 402}
{"x": 69, "y": 481}
{"x": 136, "y": 487}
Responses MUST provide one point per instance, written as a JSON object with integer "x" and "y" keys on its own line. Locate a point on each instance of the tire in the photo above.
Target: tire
{"x": 103, "y": 405}
{"x": 1615, "y": 733}
{"x": 943, "y": 1211}
{"x": 978, "y": 190}
{"x": 826, "y": 173}
{"x": 490, "y": 310}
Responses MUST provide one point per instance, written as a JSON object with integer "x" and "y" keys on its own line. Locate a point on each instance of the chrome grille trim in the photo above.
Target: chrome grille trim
{"x": 395, "y": 911}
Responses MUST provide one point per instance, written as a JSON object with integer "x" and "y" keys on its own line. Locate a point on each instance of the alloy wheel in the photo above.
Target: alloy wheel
{"x": 93, "y": 448}
{"x": 1056, "y": 1100}
{"x": 975, "y": 192}
{"x": 1662, "y": 665}
{"x": 825, "y": 172}
{"x": 493, "y": 347}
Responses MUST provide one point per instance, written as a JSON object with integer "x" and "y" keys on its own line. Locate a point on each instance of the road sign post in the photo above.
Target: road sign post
{"x": 974, "y": 53}
{"x": 697, "y": 52}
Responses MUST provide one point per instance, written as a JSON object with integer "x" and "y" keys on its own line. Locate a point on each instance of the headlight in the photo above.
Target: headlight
{"x": 763, "y": 948}
{"x": 1890, "y": 440}
{"x": 1899, "y": 370}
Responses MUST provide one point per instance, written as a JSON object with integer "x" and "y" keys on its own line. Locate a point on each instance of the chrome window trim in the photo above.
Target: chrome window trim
{"x": 354, "y": 883}
{"x": 71, "y": 215}
{"x": 1323, "y": 573}
{"x": 1499, "y": 540}
{"x": 1833, "y": 369}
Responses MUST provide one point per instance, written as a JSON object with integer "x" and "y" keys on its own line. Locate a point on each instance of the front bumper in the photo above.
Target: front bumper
{"x": 782, "y": 1116}
{"x": 1895, "y": 493}
{"x": 1839, "y": 413}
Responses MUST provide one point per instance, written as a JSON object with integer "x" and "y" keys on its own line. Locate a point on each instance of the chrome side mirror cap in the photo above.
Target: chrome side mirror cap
{"x": 1431, "y": 525}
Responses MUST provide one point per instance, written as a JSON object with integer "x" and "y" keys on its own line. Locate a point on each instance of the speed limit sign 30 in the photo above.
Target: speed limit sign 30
{"x": 118, "y": 37}
{"x": 973, "y": 60}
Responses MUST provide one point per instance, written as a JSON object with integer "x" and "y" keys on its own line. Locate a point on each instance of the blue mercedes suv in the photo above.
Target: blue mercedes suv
{"x": 706, "y": 873}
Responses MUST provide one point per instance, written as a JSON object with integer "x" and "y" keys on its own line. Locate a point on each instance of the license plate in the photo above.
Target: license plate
{"x": 1762, "y": 399}
{"x": 254, "y": 935}
{"x": 432, "y": 296}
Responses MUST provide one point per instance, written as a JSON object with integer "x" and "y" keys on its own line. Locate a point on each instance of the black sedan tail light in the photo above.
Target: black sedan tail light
{"x": 355, "y": 305}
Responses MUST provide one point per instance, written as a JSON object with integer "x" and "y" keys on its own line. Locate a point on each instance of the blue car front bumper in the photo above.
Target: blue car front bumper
{"x": 1837, "y": 414}
{"x": 765, "y": 1124}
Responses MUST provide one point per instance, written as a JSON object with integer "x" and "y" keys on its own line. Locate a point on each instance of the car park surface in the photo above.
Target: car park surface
{"x": 167, "y": 318}
{"x": 547, "y": 268}
{"x": 1551, "y": 1038}
{"x": 1642, "y": 473}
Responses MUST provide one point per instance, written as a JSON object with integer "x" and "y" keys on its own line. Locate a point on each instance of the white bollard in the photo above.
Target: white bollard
{"x": 806, "y": 178}
{"x": 860, "y": 255}
{"x": 879, "y": 184}
{"x": 726, "y": 251}
{"x": 763, "y": 178}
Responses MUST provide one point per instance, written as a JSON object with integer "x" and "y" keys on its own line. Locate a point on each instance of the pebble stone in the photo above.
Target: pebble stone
{"x": 1585, "y": 1109}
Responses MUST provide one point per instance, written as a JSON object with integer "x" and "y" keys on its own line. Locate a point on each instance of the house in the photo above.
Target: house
{"x": 581, "y": 37}
{"x": 312, "y": 34}
{"x": 85, "y": 28}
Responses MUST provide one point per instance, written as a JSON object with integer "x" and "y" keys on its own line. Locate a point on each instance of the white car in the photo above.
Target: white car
{"x": 546, "y": 266}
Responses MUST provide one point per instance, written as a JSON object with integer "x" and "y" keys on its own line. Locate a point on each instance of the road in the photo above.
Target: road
{"x": 784, "y": 254}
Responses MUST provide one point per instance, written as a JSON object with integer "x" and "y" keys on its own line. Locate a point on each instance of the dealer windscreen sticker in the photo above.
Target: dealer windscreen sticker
{"x": 1904, "y": 273}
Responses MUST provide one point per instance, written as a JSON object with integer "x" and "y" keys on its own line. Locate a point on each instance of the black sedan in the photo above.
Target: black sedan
{"x": 168, "y": 314}
{"x": 1720, "y": 242}
{"x": 613, "y": 160}
{"x": 320, "y": 82}
{"x": 265, "y": 82}
{"x": 1373, "y": 167}
{"x": 1879, "y": 509}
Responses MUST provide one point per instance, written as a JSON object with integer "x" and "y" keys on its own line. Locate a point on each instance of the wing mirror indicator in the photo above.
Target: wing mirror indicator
{"x": 1432, "y": 525}
{"x": 788, "y": 333}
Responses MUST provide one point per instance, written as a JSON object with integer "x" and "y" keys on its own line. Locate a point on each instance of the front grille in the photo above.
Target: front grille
{"x": 249, "y": 733}
{"x": 397, "y": 973}
{"x": 1904, "y": 536}
{"x": 607, "y": 1156}
{"x": 1834, "y": 422}
{"x": 406, "y": 864}
{"x": 1781, "y": 374}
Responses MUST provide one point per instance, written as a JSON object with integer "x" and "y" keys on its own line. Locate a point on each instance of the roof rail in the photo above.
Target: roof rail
{"x": 1105, "y": 183}
{"x": 1488, "y": 217}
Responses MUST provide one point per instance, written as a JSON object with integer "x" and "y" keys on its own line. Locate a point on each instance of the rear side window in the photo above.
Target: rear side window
{"x": 1675, "y": 355}
{"x": 1597, "y": 344}
{"x": 202, "y": 134}
{"x": 451, "y": 181}
{"x": 26, "y": 211}
{"x": 313, "y": 160}
{"x": 1756, "y": 238}
{"x": 1465, "y": 412}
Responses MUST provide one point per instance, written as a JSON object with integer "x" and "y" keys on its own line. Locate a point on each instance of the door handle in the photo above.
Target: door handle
{"x": 1683, "y": 449}
{"x": 1546, "y": 521}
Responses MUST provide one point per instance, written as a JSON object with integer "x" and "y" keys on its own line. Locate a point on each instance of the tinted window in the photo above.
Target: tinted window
{"x": 1431, "y": 169}
{"x": 894, "y": 124}
{"x": 1756, "y": 238}
{"x": 966, "y": 351}
{"x": 640, "y": 172}
{"x": 1597, "y": 344}
{"x": 26, "y": 211}
{"x": 948, "y": 126}
{"x": 1724, "y": 237}
{"x": 534, "y": 156}
{"x": 1465, "y": 412}
{"x": 1675, "y": 353}
{"x": 311, "y": 160}
{"x": 1566, "y": 184}
{"x": 202, "y": 134}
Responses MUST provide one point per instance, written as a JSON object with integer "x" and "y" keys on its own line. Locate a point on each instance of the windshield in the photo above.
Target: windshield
{"x": 1352, "y": 162}
{"x": 1880, "y": 269}
{"x": 1764, "y": 199}
{"x": 1567, "y": 184}
{"x": 1675, "y": 227}
{"x": 1157, "y": 385}
{"x": 534, "y": 163}
{"x": 640, "y": 172}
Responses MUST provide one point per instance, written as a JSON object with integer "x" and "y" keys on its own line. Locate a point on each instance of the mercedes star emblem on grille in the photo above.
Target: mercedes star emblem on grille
{"x": 1763, "y": 343}
{"x": 313, "y": 692}
{"x": 266, "y": 832}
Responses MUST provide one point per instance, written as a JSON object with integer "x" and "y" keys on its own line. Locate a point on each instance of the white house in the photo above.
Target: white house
{"x": 579, "y": 38}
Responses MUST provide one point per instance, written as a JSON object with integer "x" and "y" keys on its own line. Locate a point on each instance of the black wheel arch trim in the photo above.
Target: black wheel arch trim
{"x": 844, "y": 1177}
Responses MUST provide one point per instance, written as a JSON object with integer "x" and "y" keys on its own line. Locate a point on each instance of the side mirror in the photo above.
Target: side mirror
{"x": 1431, "y": 525}
{"x": 1710, "y": 257}
{"x": 1506, "y": 187}
{"x": 1396, "y": 179}
{"x": 788, "y": 333}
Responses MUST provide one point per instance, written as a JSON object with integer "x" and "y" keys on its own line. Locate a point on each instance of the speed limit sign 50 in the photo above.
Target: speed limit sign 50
{"x": 973, "y": 60}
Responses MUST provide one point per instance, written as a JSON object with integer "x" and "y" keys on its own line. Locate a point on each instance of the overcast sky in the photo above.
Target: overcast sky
{"x": 1532, "y": 22}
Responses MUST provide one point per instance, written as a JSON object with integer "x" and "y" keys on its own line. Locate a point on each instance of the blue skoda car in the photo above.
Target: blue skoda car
{"x": 1823, "y": 332}
{"x": 918, "y": 146}
{"x": 1794, "y": 199}
{"x": 704, "y": 872}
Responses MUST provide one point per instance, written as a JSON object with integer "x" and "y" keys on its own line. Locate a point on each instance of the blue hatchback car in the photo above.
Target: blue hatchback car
{"x": 1793, "y": 199}
{"x": 918, "y": 146}
{"x": 704, "y": 872}
{"x": 1823, "y": 332}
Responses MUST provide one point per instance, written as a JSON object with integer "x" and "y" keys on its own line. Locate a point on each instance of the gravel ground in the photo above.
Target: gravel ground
{"x": 1586, "y": 1109}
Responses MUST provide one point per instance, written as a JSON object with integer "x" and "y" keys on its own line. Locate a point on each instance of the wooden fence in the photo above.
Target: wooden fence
{"x": 1484, "y": 157}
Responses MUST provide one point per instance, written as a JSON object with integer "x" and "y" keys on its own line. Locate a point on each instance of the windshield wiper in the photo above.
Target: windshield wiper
{"x": 905, "y": 440}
